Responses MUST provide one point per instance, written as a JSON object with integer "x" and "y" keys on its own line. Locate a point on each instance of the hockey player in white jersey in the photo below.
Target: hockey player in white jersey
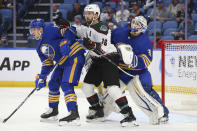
{"x": 97, "y": 40}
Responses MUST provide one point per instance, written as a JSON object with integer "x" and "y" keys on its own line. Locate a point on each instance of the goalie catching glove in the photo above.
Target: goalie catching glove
{"x": 126, "y": 53}
{"x": 40, "y": 81}
{"x": 90, "y": 45}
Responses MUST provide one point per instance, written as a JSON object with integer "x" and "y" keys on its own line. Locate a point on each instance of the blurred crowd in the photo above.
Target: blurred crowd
{"x": 6, "y": 16}
{"x": 170, "y": 15}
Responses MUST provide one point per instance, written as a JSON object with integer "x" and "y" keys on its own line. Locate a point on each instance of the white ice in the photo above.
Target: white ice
{"x": 27, "y": 118}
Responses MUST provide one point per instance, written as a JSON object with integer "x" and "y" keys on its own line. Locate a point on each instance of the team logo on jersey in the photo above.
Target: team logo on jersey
{"x": 48, "y": 51}
{"x": 103, "y": 28}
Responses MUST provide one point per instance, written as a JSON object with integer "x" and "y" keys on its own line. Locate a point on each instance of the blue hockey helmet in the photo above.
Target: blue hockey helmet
{"x": 37, "y": 23}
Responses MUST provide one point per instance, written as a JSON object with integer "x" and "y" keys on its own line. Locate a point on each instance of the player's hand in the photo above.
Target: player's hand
{"x": 90, "y": 45}
{"x": 40, "y": 82}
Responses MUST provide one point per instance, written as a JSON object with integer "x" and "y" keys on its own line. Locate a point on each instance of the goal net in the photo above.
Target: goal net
{"x": 179, "y": 73}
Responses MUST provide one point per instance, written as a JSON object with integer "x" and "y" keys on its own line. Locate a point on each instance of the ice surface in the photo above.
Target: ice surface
{"x": 27, "y": 118}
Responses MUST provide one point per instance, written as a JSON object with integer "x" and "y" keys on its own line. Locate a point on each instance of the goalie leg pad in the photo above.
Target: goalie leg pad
{"x": 151, "y": 107}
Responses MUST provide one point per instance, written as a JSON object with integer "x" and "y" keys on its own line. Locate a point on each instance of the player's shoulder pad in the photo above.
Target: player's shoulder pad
{"x": 101, "y": 27}
{"x": 70, "y": 34}
{"x": 145, "y": 39}
{"x": 120, "y": 34}
{"x": 51, "y": 32}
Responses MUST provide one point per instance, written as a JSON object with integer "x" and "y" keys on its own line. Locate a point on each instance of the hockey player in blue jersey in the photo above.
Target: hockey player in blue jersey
{"x": 58, "y": 45}
{"x": 136, "y": 55}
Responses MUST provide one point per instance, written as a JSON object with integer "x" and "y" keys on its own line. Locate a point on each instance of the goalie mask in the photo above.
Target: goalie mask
{"x": 88, "y": 10}
{"x": 138, "y": 25}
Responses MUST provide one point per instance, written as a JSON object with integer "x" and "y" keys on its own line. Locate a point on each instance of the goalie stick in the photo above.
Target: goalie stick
{"x": 6, "y": 119}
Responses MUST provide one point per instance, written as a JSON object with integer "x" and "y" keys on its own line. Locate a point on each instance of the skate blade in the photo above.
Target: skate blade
{"x": 53, "y": 119}
{"x": 72, "y": 123}
{"x": 95, "y": 120}
{"x": 129, "y": 124}
{"x": 163, "y": 120}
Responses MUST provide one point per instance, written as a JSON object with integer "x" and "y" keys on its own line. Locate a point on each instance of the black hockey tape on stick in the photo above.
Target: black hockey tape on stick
{"x": 6, "y": 119}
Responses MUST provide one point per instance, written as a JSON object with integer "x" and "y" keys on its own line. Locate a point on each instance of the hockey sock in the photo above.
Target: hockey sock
{"x": 94, "y": 100}
{"x": 123, "y": 105}
{"x": 53, "y": 99}
{"x": 69, "y": 95}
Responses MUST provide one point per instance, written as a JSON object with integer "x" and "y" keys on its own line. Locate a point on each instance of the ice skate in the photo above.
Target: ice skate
{"x": 72, "y": 119}
{"x": 164, "y": 119}
{"x": 129, "y": 119}
{"x": 95, "y": 114}
{"x": 50, "y": 115}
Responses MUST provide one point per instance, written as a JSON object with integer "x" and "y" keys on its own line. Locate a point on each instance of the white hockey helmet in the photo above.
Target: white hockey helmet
{"x": 93, "y": 8}
{"x": 138, "y": 25}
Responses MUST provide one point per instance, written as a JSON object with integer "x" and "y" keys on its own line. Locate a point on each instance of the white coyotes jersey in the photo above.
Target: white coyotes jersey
{"x": 98, "y": 33}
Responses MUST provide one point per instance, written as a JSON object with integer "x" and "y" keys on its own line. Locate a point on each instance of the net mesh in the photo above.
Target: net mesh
{"x": 181, "y": 66}
{"x": 181, "y": 46}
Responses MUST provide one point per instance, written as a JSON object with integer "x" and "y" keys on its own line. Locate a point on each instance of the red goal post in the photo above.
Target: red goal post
{"x": 179, "y": 67}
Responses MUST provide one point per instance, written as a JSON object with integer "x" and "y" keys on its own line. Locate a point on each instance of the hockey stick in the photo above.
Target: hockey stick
{"x": 109, "y": 60}
{"x": 5, "y": 120}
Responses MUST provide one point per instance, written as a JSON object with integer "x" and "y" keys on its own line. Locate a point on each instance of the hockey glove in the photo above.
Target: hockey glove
{"x": 90, "y": 45}
{"x": 40, "y": 82}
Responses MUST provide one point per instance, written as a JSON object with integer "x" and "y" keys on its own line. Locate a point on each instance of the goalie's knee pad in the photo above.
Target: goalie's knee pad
{"x": 114, "y": 92}
{"x": 88, "y": 89}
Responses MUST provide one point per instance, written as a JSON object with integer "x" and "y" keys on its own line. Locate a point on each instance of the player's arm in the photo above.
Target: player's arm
{"x": 143, "y": 60}
{"x": 68, "y": 40}
{"x": 47, "y": 65}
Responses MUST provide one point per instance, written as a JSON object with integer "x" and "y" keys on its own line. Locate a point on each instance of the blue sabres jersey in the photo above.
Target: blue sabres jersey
{"x": 141, "y": 45}
{"x": 48, "y": 47}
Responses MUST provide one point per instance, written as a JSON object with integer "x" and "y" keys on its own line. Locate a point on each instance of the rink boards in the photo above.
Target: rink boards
{"x": 19, "y": 67}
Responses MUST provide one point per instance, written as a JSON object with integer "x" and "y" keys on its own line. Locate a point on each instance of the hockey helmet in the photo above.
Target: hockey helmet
{"x": 93, "y": 8}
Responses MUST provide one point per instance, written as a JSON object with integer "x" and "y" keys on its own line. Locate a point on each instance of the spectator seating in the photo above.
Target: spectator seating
{"x": 151, "y": 25}
{"x": 169, "y": 31}
{"x": 150, "y": 32}
{"x": 100, "y": 4}
{"x": 123, "y": 23}
{"x": 148, "y": 12}
{"x": 112, "y": 4}
{"x": 169, "y": 24}
{"x": 192, "y": 37}
{"x": 69, "y": 1}
{"x": 64, "y": 13}
{"x": 83, "y": 2}
{"x": 195, "y": 27}
{"x": 151, "y": 38}
{"x": 168, "y": 37}
{"x": 68, "y": 7}
{"x": 194, "y": 17}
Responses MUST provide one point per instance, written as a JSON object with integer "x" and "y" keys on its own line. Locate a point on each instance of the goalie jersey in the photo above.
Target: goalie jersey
{"x": 142, "y": 49}
{"x": 98, "y": 33}
{"x": 49, "y": 46}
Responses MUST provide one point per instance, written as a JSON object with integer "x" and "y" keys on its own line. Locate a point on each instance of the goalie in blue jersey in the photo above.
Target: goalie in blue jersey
{"x": 58, "y": 45}
{"x": 136, "y": 55}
